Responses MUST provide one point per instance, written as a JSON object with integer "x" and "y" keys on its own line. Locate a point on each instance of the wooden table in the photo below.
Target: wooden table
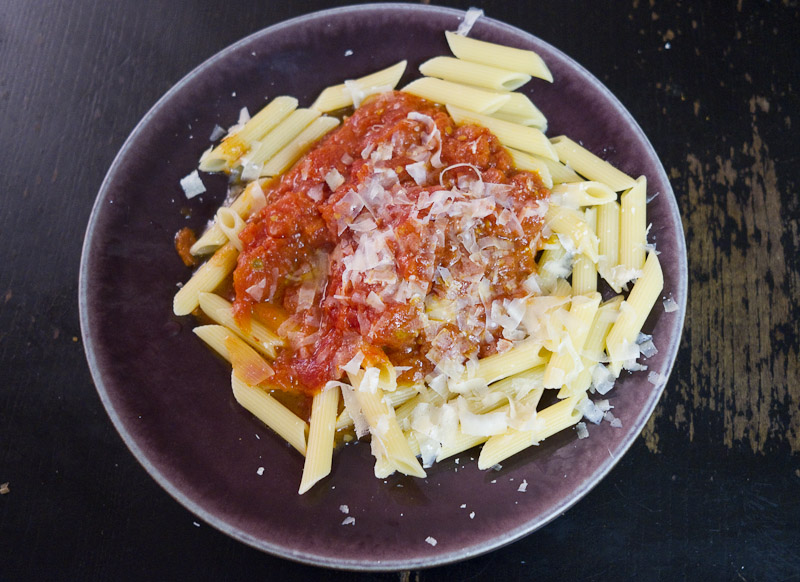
{"x": 711, "y": 490}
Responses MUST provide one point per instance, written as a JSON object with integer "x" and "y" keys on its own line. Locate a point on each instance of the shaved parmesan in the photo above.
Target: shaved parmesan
{"x": 192, "y": 185}
{"x": 470, "y": 17}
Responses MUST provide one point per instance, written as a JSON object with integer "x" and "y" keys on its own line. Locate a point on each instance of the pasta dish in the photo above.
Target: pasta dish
{"x": 421, "y": 266}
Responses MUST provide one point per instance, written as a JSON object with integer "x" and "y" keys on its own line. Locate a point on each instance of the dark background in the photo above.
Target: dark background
{"x": 711, "y": 490}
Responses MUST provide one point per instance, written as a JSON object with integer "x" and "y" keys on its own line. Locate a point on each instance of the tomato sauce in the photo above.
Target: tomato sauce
{"x": 392, "y": 237}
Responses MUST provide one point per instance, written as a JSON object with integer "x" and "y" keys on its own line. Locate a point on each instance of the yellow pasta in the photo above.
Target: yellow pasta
{"x": 562, "y": 365}
{"x": 572, "y": 224}
{"x": 529, "y": 163}
{"x": 487, "y": 53}
{"x": 522, "y": 356}
{"x": 589, "y": 165}
{"x": 608, "y": 236}
{"x": 468, "y": 73}
{"x": 527, "y": 139}
{"x": 385, "y": 430}
{"x": 584, "y": 270}
{"x": 560, "y": 173}
{"x": 225, "y": 155}
{"x": 470, "y": 98}
{"x": 554, "y": 418}
{"x": 272, "y": 413}
{"x": 279, "y": 137}
{"x": 319, "y": 452}
{"x": 231, "y": 224}
{"x": 521, "y": 110}
{"x": 593, "y": 348}
{"x": 205, "y": 279}
{"x": 258, "y": 335}
{"x": 633, "y": 312}
{"x": 582, "y": 194}
{"x": 633, "y": 226}
{"x": 341, "y": 96}
{"x": 281, "y": 161}
{"x": 251, "y": 200}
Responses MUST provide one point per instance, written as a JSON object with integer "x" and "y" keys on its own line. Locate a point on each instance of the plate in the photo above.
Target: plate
{"x": 170, "y": 399}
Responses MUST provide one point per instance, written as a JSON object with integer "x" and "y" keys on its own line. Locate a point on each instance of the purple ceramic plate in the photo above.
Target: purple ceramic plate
{"x": 170, "y": 399}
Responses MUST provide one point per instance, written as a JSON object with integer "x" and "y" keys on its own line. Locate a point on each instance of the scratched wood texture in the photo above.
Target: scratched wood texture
{"x": 711, "y": 490}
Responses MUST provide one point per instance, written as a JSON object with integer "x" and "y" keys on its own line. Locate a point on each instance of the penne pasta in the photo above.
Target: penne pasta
{"x": 572, "y": 224}
{"x": 280, "y": 137}
{"x": 563, "y": 365}
{"x": 521, "y": 110}
{"x": 257, "y": 334}
{"x": 470, "y": 73}
{"x": 589, "y": 165}
{"x": 584, "y": 270}
{"x": 520, "y": 137}
{"x": 272, "y": 413}
{"x": 580, "y": 194}
{"x": 553, "y": 419}
{"x": 633, "y": 312}
{"x": 633, "y": 226}
{"x": 608, "y": 245}
{"x": 225, "y": 155}
{"x": 531, "y": 163}
{"x": 449, "y": 93}
{"x": 251, "y": 200}
{"x": 319, "y": 452}
{"x": 281, "y": 161}
{"x": 355, "y": 91}
{"x": 384, "y": 429}
{"x": 513, "y": 59}
{"x": 205, "y": 279}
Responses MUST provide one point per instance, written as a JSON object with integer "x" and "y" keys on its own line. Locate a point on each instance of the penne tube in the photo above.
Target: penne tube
{"x": 608, "y": 241}
{"x": 529, "y": 163}
{"x": 572, "y": 224}
{"x": 487, "y": 53}
{"x": 633, "y": 312}
{"x": 633, "y": 226}
{"x": 231, "y": 224}
{"x": 205, "y": 279}
{"x": 224, "y": 156}
{"x": 579, "y": 194}
{"x": 341, "y": 96}
{"x": 554, "y": 418}
{"x": 395, "y": 399}
{"x": 279, "y": 137}
{"x": 319, "y": 452}
{"x": 284, "y": 159}
{"x": 523, "y": 356}
{"x": 258, "y": 335}
{"x": 589, "y": 165}
{"x": 469, "y": 73}
{"x": 560, "y": 173}
{"x": 584, "y": 270}
{"x": 563, "y": 365}
{"x": 593, "y": 348}
{"x": 462, "y": 442}
{"x": 519, "y": 109}
{"x": 384, "y": 428}
{"x": 272, "y": 413}
{"x": 250, "y": 201}
{"x": 464, "y": 96}
{"x": 520, "y": 137}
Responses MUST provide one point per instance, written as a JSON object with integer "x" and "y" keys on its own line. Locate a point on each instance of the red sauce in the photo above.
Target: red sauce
{"x": 341, "y": 266}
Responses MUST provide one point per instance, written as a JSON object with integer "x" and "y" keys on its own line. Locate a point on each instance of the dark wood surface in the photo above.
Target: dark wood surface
{"x": 711, "y": 490}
